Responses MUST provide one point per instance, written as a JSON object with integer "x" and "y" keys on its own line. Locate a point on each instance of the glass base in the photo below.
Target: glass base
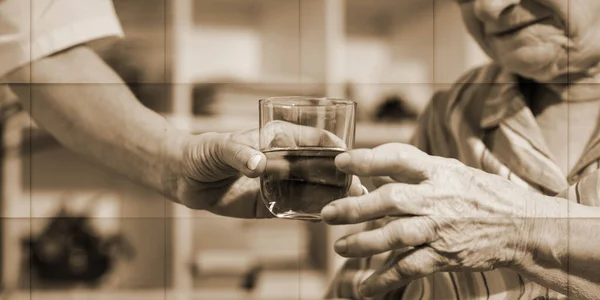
{"x": 292, "y": 215}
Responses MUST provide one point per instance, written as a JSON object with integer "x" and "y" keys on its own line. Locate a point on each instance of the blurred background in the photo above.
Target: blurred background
{"x": 73, "y": 230}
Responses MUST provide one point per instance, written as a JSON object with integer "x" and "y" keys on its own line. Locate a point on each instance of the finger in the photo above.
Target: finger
{"x": 283, "y": 140}
{"x": 242, "y": 200}
{"x": 395, "y": 199}
{"x": 356, "y": 187}
{"x": 249, "y": 137}
{"x": 408, "y": 266}
{"x": 401, "y": 162}
{"x": 316, "y": 168}
{"x": 280, "y": 134}
{"x": 401, "y": 233}
{"x": 244, "y": 158}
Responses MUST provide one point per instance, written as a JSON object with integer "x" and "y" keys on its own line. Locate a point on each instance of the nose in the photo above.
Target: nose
{"x": 491, "y": 10}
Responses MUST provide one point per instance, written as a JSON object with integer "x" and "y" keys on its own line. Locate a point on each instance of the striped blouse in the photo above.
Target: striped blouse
{"x": 484, "y": 122}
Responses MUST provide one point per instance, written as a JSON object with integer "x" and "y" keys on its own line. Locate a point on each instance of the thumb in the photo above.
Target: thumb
{"x": 244, "y": 158}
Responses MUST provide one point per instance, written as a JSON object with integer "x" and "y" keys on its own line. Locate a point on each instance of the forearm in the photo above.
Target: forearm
{"x": 88, "y": 109}
{"x": 564, "y": 248}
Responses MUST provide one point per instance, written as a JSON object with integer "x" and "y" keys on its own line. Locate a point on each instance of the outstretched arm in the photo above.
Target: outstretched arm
{"x": 85, "y": 105}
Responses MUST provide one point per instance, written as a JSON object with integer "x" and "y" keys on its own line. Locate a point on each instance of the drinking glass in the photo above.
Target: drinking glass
{"x": 301, "y": 136}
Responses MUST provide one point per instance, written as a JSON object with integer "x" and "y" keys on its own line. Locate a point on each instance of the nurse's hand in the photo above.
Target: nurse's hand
{"x": 220, "y": 171}
{"x": 443, "y": 216}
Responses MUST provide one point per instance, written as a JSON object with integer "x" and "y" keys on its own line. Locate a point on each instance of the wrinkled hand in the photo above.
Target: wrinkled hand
{"x": 444, "y": 216}
{"x": 220, "y": 171}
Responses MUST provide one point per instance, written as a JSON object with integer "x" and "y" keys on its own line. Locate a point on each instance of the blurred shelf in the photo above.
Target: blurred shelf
{"x": 368, "y": 134}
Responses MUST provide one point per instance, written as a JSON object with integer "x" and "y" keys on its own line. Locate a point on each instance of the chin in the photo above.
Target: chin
{"x": 542, "y": 64}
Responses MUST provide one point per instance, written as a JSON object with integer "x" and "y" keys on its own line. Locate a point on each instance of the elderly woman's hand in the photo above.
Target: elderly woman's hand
{"x": 443, "y": 216}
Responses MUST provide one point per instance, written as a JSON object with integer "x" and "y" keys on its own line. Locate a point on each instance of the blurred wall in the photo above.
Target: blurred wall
{"x": 225, "y": 42}
{"x": 146, "y": 42}
{"x": 138, "y": 214}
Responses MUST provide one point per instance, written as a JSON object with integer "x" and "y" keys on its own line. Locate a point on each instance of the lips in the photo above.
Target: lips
{"x": 502, "y": 31}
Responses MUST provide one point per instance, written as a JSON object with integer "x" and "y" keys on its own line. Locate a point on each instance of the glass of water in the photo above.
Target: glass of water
{"x": 301, "y": 136}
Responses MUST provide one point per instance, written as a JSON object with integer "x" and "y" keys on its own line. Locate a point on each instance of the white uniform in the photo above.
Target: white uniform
{"x": 33, "y": 29}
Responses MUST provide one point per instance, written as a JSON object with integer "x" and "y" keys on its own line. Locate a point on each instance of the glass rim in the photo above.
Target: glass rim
{"x": 296, "y": 101}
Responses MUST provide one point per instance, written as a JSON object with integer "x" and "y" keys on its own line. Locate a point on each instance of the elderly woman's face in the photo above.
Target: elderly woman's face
{"x": 538, "y": 39}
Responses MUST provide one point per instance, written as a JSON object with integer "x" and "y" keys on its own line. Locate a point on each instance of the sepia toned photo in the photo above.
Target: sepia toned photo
{"x": 299, "y": 149}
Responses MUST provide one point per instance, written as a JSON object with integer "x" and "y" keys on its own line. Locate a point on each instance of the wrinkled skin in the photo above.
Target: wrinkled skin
{"x": 565, "y": 36}
{"x": 441, "y": 216}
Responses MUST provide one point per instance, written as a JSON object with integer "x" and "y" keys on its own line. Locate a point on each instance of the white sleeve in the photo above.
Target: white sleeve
{"x": 33, "y": 29}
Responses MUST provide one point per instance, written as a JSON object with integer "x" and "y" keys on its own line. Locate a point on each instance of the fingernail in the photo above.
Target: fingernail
{"x": 342, "y": 160}
{"x": 364, "y": 189}
{"x": 253, "y": 162}
{"x": 329, "y": 213}
{"x": 341, "y": 246}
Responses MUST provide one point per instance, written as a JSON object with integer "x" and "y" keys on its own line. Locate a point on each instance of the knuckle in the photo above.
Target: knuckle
{"x": 365, "y": 160}
{"x": 431, "y": 205}
{"x": 219, "y": 142}
{"x": 279, "y": 139}
{"x": 239, "y": 154}
{"x": 392, "y": 151}
{"x": 325, "y": 140}
{"x": 390, "y": 236}
{"x": 357, "y": 209}
{"x": 383, "y": 150}
{"x": 407, "y": 270}
{"x": 453, "y": 165}
{"x": 406, "y": 151}
{"x": 431, "y": 227}
{"x": 391, "y": 194}
{"x": 453, "y": 162}
{"x": 398, "y": 156}
{"x": 443, "y": 164}
{"x": 276, "y": 124}
{"x": 387, "y": 191}
{"x": 234, "y": 136}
